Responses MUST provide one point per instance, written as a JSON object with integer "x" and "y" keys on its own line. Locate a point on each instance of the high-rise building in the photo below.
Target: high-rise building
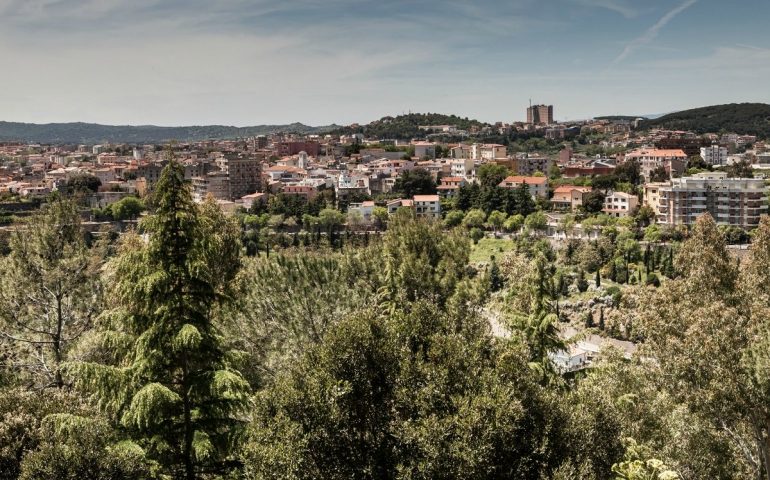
{"x": 540, "y": 114}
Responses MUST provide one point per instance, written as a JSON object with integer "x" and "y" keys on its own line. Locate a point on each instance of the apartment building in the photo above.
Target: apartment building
{"x": 487, "y": 151}
{"x": 714, "y": 155}
{"x": 652, "y": 195}
{"x": 731, "y": 201}
{"x": 620, "y": 204}
{"x": 538, "y": 186}
{"x": 428, "y": 206}
{"x": 244, "y": 172}
{"x": 529, "y": 165}
{"x": 674, "y": 161}
{"x": 216, "y": 184}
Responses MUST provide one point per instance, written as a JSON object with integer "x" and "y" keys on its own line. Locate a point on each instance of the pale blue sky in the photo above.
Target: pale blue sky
{"x": 248, "y": 62}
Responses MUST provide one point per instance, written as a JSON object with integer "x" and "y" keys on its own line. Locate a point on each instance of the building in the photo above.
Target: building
{"x": 450, "y": 186}
{"x": 540, "y": 114}
{"x": 287, "y": 149}
{"x": 620, "y": 204}
{"x": 731, "y": 201}
{"x": 424, "y": 149}
{"x": 394, "y": 205}
{"x": 216, "y": 184}
{"x": 529, "y": 165}
{"x": 364, "y": 208}
{"x": 244, "y": 172}
{"x": 538, "y": 186}
{"x": 568, "y": 197}
{"x": 674, "y": 161}
{"x": 652, "y": 195}
{"x": 714, "y": 155}
{"x": 487, "y": 151}
{"x": 428, "y": 206}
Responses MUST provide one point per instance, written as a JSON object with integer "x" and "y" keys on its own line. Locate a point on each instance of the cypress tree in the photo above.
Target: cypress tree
{"x": 598, "y": 278}
{"x": 172, "y": 386}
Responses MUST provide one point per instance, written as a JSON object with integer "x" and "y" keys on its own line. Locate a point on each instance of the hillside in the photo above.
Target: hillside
{"x": 90, "y": 133}
{"x": 405, "y": 127}
{"x": 742, "y": 118}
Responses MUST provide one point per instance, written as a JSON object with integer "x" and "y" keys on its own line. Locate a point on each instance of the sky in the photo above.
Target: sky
{"x": 253, "y": 62}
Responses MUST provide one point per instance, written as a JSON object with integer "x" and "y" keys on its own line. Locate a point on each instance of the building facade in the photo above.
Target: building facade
{"x": 731, "y": 201}
{"x": 540, "y": 114}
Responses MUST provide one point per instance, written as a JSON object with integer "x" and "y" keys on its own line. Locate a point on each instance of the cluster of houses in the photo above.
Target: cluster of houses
{"x": 238, "y": 173}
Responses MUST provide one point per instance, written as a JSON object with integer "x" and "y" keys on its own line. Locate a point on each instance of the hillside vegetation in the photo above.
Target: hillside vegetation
{"x": 742, "y": 118}
{"x": 405, "y": 127}
{"x": 90, "y": 133}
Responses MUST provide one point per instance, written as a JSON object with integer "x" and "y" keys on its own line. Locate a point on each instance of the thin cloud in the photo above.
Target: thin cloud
{"x": 617, "y": 6}
{"x": 652, "y": 33}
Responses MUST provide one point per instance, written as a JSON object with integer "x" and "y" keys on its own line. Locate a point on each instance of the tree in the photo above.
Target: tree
{"x": 582, "y": 283}
{"x": 83, "y": 183}
{"x": 629, "y": 172}
{"x": 741, "y": 169}
{"x": 536, "y": 221}
{"x": 491, "y": 175}
{"x": 417, "y": 181}
{"x": 126, "y": 208}
{"x": 659, "y": 174}
{"x": 49, "y": 291}
{"x": 474, "y": 219}
{"x": 598, "y": 281}
{"x": 454, "y": 218}
{"x": 593, "y": 202}
{"x": 331, "y": 219}
{"x": 164, "y": 371}
{"x": 514, "y": 223}
{"x": 380, "y": 217}
{"x": 496, "y": 219}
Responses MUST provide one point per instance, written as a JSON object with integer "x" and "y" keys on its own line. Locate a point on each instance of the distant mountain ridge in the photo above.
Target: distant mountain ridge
{"x": 92, "y": 133}
{"x": 741, "y": 118}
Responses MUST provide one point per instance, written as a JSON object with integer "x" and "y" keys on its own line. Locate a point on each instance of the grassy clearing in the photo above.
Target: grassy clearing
{"x": 483, "y": 251}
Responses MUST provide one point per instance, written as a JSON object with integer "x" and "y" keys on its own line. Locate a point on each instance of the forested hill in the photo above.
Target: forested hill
{"x": 91, "y": 133}
{"x": 742, "y": 118}
{"x": 405, "y": 127}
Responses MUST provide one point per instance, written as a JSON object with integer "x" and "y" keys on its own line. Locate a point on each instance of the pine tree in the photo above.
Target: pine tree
{"x": 49, "y": 291}
{"x": 174, "y": 387}
{"x": 613, "y": 271}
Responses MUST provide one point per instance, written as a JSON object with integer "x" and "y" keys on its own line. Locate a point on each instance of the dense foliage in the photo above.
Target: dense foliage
{"x": 171, "y": 353}
{"x": 742, "y": 118}
{"x": 406, "y": 127}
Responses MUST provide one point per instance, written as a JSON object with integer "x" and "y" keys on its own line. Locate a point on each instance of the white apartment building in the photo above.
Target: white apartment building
{"x": 620, "y": 204}
{"x": 714, "y": 155}
{"x": 488, "y": 151}
{"x": 427, "y": 206}
{"x": 731, "y": 201}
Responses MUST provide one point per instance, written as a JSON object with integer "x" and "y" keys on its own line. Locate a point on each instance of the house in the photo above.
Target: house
{"x": 364, "y": 208}
{"x": 394, "y": 205}
{"x": 620, "y": 204}
{"x": 568, "y": 197}
{"x": 428, "y": 206}
{"x": 450, "y": 186}
{"x": 538, "y": 186}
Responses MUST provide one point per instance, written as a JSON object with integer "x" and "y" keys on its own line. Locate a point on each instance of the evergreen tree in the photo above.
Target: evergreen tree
{"x": 173, "y": 386}
{"x": 598, "y": 281}
{"x": 582, "y": 284}
{"x": 49, "y": 292}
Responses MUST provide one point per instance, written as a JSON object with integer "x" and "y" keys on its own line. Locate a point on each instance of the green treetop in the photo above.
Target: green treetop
{"x": 172, "y": 385}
